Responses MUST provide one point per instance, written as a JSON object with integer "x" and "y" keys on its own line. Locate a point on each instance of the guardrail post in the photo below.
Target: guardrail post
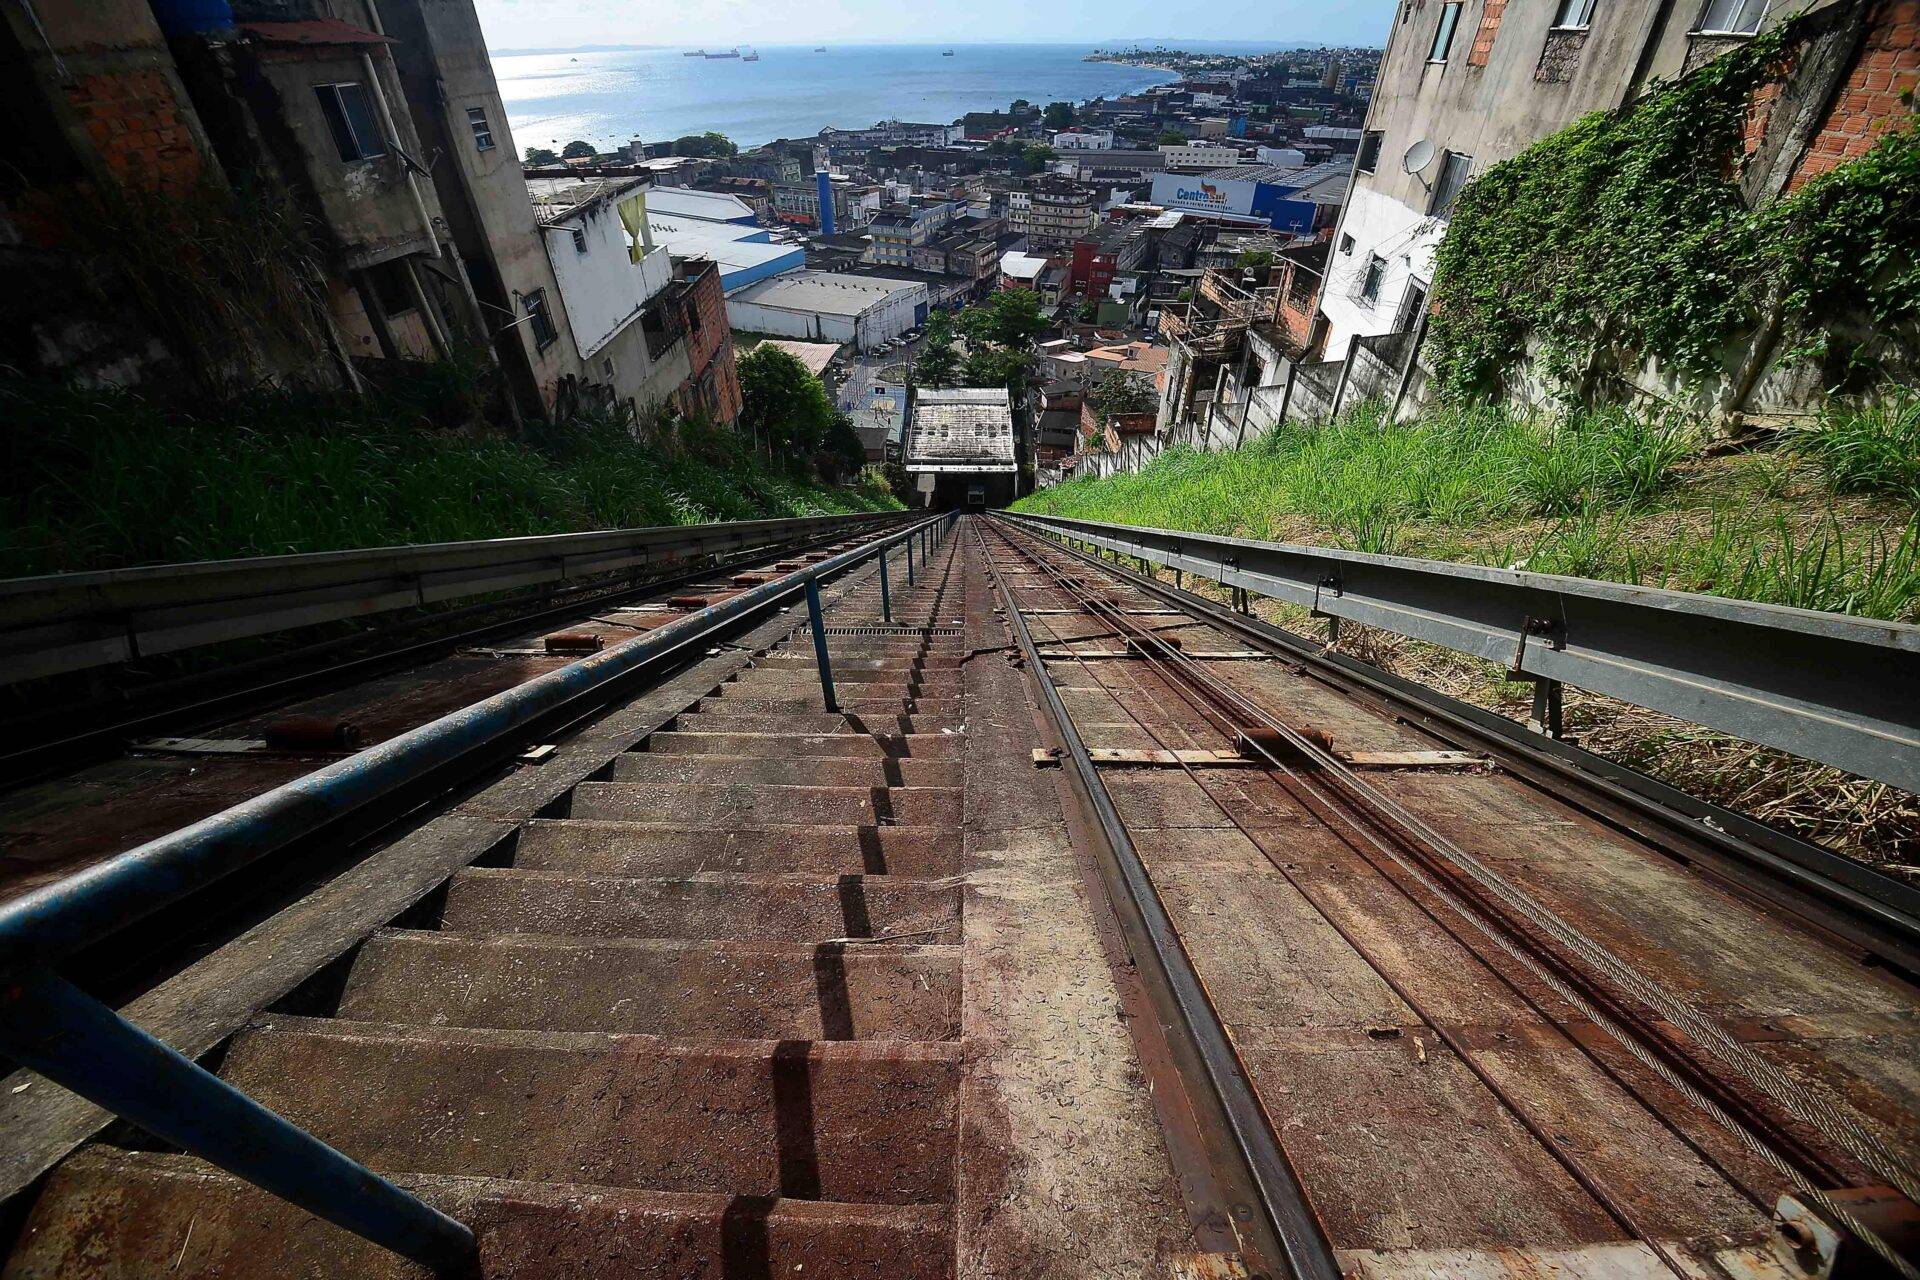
{"x": 1547, "y": 708}
{"x": 819, "y": 625}
{"x": 909, "y": 546}
{"x": 886, "y": 597}
{"x": 50, "y": 1026}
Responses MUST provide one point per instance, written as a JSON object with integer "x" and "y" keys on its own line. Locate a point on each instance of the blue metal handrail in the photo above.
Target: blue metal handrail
{"x": 52, "y": 1027}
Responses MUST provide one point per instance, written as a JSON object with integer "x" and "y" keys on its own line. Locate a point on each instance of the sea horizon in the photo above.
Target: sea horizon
{"x": 607, "y": 96}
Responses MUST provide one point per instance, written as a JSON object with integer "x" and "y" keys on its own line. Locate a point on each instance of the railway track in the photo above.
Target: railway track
{"x": 996, "y": 916}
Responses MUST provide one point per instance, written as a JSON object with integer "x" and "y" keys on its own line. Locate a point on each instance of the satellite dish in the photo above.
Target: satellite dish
{"x": 1419, "y": 156}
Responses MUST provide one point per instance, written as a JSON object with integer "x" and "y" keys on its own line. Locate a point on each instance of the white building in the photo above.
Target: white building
{"x": 830, "y": 306}
{"x": 1019, "y": 212}
{"x": 609, "y": 282}
{"x": 1083, "y": 140}
{"x": 1199, "y": 155}
{"x": 1283, "y": 157}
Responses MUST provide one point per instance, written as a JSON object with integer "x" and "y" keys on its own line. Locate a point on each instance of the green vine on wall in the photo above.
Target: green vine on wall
{"x": 1628, "y": 233}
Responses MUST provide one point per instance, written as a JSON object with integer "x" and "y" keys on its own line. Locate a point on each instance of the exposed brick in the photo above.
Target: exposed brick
{"x": 1490, "y": 15}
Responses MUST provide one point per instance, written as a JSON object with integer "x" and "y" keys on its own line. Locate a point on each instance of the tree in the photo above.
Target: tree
{"x": 1058, "y": 115}
{"x": 995, "y": 367}
{"x": 1122, "y": 392}
{"x": 578, "y": 150}
{"x": 1010, "y": 318}
{"x": 1034, "y": 157}
{"x": 711, "y": 145}
{"x": 542, "y": 156}
{"x": 1020, "y": 107}
{"x": 1171, "y": 138}
{"x": 938, "y": 361}
{"x": 842, "y": 455}
{"x": 1257, "y": 258}
{"x": 783, "y": 407}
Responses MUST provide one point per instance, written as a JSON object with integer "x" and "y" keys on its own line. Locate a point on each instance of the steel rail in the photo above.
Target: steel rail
{"x": 1290, "y": 1219}
{"x": 75, "y": 621}
{"x": 77, "y": 1042}
{"x": 1838, "y": 690}
{"x": 1376, "y": 815}
{"x": 1830, "y": 890}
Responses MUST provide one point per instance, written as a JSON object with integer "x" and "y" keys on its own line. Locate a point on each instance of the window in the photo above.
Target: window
{"x": 1370, "y": 283}
{"x": 579, "y": 239}
{"x": 606, "y": 367}
{"x": 1346, "y": 244}
{"x": 1454, "y": 169}
{"x": 1573, "y": 15}
{"x": 540, "y": 320}
{"x": 1732, "y": 17}
{"x": 349, "y": 117}
{"x": 482, "y": 131}
{"x": 1369, "y": 158}
{"x": 1443, "y": 34}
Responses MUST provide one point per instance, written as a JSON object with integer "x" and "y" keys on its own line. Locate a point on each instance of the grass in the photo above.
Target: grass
{"x": 105, "y": 478}
{"x": 1823, "y": 520}
{"x": 1819, "y": 518}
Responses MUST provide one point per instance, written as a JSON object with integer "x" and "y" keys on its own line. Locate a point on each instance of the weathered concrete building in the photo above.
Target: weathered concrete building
{"x": 960, "y": 448}
{"x": 1466, "y": 84}
{"x": 610, "y": 283}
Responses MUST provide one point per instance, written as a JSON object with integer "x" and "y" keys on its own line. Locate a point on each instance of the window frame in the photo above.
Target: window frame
{"x": 1703, "y": 28}
{"x": 1444, "y": 32}
{"x": 482, "y": 128}
{"x": 1584, "y": 21}
{"x": 1362, "y": 162}
{"x": 539, "y": 319}
{"x": 1370, "y": 280}
{"x": 1347, "y": 246}
{"x": 342, "y": 126}
{"x": 1447, "y": 158}
{"x": 579, "y": 235}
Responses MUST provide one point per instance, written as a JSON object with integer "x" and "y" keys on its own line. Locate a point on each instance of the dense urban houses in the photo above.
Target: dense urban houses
{"x": 1464, "y": 85}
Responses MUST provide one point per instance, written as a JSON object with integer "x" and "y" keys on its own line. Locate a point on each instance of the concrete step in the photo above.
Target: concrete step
{"x": 848, "y": 746}
{"x": 748, "y": 804}
{"x": 722, "y": 904}
{"x": 788, "y": 660}
{"x": 810, "y": 703}
{"x": 712, "y": 717}
{"x": 807, "y": 770}
{"x": 848, "y": 686}
{"x": 721, "y": 990}
{"x": 869, "y": 1121}
{"x": 644, "y": 849}
{"x": 122, "y": 1215}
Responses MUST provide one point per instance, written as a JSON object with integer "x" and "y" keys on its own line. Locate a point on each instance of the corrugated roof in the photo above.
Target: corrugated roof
{"x": 961, "y": 429}
{"x": 836, "y": 293}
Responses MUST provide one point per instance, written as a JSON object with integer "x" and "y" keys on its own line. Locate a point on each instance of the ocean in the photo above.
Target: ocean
{"x": 609, "y": 97}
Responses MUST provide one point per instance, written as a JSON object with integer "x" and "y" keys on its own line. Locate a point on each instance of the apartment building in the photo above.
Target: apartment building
{"x": 1468, "y": 83}
{"x": 1060, "y": 212}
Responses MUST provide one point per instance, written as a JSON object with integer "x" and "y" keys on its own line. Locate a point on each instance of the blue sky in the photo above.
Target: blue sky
{"x": 519, "y": 24}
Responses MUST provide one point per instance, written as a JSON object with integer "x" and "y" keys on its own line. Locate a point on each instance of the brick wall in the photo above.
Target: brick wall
{"x": 1483, "y": 38}
{"x": 137, "y": 126}
{"x": 1870, "y": 99}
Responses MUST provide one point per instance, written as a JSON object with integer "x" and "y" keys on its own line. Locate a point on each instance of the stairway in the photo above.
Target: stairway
{"x": 706, "y": 1024}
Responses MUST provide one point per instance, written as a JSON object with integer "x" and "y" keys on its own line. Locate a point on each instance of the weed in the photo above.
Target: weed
{"x": 1869, "y": 446}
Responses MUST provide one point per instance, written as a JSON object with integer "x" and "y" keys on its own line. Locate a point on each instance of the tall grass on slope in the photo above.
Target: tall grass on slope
{"x": 1869, "y": 447}
{"x": 1600, "y": 494}
{"x": 103, "y": 478}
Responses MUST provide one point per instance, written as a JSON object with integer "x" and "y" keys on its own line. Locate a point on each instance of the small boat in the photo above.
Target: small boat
{"x": 750, "y": 56}
{"x": 946, "y": 53}
{"x": 820, "y": 49}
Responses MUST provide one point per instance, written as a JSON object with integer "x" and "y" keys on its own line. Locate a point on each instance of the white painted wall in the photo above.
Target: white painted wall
{"x": 888, "y": 318}
{"x": 1089, "y": 140}
{"x": 1405, "y": 238}
{"x": 603, "y": 289}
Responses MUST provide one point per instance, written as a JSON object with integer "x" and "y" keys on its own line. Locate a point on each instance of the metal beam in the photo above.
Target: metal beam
{"x": 1838, "y": 690}
{"x": 73, "y": 621}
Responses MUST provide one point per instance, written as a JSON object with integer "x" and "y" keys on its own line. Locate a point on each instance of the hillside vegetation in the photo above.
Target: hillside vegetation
{"x": 100, "y": 478}
{"x": 1827, "y": 517}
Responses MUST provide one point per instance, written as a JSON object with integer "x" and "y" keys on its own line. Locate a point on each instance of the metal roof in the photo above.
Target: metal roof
{"x": 961, "y": 429}
{"x": 833, "y": 293}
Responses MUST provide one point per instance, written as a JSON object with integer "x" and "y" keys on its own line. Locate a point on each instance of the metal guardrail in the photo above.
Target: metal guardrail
{"x": 73, "y": 621}
{"x": 52, "y": 1027}
{"x": 1838, "y": 690}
